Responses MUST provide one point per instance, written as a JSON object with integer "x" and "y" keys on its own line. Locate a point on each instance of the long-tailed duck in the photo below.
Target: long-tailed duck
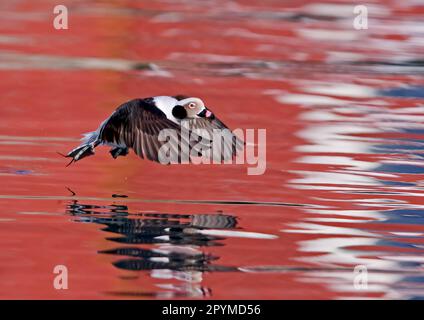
{"x": 138, "y": 123}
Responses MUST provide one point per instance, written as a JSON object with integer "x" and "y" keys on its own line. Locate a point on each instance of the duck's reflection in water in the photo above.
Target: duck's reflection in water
{"x": 177, "y": 240}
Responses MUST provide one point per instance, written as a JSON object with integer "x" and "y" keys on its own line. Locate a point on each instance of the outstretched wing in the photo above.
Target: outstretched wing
{"x": 211, "y": 130}
{"x": 137, "y": 124}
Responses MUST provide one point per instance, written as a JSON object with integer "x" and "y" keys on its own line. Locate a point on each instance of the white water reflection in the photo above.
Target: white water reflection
{"x": 357, "y": 144}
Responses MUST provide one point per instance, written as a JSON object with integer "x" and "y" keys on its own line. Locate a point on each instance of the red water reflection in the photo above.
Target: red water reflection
{"x": 332, "y": 149}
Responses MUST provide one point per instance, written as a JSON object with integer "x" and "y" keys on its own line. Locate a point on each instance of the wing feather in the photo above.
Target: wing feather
{"x": 137, "y": 124}
{"x": 206, "y": 129}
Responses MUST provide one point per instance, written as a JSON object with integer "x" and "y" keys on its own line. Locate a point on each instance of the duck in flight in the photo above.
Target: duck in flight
{"x": 137, "y": 124}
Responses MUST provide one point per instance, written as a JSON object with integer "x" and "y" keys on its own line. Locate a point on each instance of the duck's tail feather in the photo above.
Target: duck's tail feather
{"x": 80, "y": 152}
{"x": 85, "y": 149}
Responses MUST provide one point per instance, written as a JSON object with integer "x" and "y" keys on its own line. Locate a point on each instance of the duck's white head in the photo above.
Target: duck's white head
{"x": 191, "y": 108}
{"x": 179, "y": 107}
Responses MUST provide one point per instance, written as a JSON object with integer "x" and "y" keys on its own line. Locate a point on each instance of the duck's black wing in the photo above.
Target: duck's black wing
{"x": 137, "y": 124}
{"x": 211, "y": 130}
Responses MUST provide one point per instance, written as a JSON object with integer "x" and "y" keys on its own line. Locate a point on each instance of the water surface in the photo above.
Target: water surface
{"x": 343, "y": 110}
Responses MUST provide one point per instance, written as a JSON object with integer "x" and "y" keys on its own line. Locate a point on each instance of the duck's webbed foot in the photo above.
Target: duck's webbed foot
{"x": 119, "y": 151}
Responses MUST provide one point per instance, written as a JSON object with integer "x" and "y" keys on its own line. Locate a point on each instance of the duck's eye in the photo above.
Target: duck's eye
{"x": 192, "y": 105}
